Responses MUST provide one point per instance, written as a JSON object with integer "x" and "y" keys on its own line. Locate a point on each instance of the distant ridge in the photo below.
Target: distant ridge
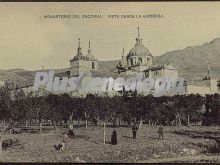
{"x": 195, "y": 56}
{"x": 192, "y": 62}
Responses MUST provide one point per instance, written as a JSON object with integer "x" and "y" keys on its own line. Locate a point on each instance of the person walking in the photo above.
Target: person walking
{"x": 114, "y": 138}
{"x": 134, "y": 130}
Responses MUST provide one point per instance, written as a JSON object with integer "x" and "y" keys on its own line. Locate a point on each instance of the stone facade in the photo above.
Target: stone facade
{"x": 81, "y": 63}
{"x": 206, "y": 86}
{"x": 161, "y": 71}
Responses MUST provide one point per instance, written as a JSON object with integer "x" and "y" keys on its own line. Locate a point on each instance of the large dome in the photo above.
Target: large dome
{"x": 139, "y": 49}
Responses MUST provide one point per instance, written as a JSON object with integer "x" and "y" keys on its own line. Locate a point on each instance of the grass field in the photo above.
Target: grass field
{"x": 181, "y": 144}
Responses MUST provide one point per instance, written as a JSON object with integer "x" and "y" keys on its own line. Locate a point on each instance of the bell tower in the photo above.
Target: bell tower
{"x": 83, "y": 64}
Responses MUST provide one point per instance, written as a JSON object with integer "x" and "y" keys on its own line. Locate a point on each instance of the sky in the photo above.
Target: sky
{"x": 30, "y": 41}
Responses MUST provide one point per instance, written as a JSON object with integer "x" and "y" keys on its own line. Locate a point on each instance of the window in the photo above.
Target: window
{"x": 93, "y": 65}
{"x": 148, "y": 61}
{"x": 131, "y": 62}
{"x": 140, "y": 61}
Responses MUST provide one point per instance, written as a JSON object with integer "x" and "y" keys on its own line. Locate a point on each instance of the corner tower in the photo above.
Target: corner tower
{"x": 83, "y": 64}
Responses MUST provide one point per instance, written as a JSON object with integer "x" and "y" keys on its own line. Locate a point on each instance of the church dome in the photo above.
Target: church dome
{"x": 139, "y": 49}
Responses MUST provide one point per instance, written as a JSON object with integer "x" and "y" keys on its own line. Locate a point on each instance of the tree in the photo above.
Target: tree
{"x": 55, "y": 109}
{"x": 192, "y": 105}
{"x": 5, "y": 106}
{"x": 70, "y": 108}
{"x": 4, "y": 110}
{"x": 215, "y": 109}
{"x": 29, "y": 107}
{"x": 40, "y": 110}
{"x": 212, "y": 114}
{"x": 177, "y": 108}
{"x": 5, "y": 103}
{"x": 104, "y": 105}
{"x": 118, "y": 107}
{"x": 17, "y": 109}
{"x": 90, "y": 107}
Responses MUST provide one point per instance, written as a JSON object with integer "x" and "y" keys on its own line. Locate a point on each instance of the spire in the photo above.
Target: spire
{"x": 209, "y": 65}
{"x": 89, "y": 49}
{"x": 79, "y": 42}
{"x": 139, "y": 39}
{"x": 79, "y": 50}
{"x": 208, "y": 70}
{"x": 123, "y": 53}
{"x": 123, "y": 61}
{"x": 90, "y": 55}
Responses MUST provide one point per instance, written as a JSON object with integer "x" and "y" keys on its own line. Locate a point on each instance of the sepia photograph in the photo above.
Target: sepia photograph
{"x": 110, "y": 82}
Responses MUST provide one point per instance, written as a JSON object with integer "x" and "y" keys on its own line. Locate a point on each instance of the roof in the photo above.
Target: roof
{"x": 89, "y": 55}
{"x": 139, "y": 49}
{"x": 159, "y": 67}
{"x": 79, "y": 54}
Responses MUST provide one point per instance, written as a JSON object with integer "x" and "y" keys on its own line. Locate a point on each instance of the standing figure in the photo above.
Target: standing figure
{"x": 160, "y": 132}
{"x": 114, "y": 138}
{"x": 70, "y": 131}
{"x": 134, "y": 130}
{"x": 64, "y": 137}
{"x": 70, "y": 126}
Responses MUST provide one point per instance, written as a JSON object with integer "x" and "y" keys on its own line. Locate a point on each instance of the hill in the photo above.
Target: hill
{"x": 22, "y": 77}
{"x": 192, "y": 62}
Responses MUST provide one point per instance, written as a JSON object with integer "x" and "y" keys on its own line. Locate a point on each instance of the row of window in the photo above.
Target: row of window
{"x": 133, "y": 62}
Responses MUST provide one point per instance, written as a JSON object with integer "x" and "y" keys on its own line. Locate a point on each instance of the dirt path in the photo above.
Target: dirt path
{"x": 196, "y": 158}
